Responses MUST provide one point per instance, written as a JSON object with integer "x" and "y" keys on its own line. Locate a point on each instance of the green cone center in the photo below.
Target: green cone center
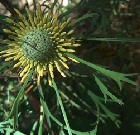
{"x": 37, "y": 45}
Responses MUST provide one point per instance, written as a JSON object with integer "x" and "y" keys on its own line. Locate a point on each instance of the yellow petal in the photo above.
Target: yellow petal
{"x": 22, "y": 25}
{"x": 35, "y": 21}
{"x": 64, "y": 64}
{"x": 31, "y": 63}
{"x": 17, "y": 56}
{"x": 13, "y": 45}
{"x": 73, "y": 60}
{"x": 26, "y": 69}
{"x": 48, "y": 14}
{"x": 61, "y": 40}
{"x": 24, "y": 62}
{"x": 70, "y": 50}
{"x": 38, "y": 68}
{"x": 24, "y": 77}
{"x": 44, "y": 67}
{"x": 63, "y": 33}
{"x": 3, "y": 51}
{"x": 61, "y": 57}
{"x": 62, "y": 26}
{"x": 20, "y": 15}
{"x": 9, "y": 58}
{"x": 38, "y": 79}
{"x": 56, "y": 34}
{"x": 7, "y": 41}
{"x": 8, "y": 31}
{"x": 58, "y": 68}
{"x": 35, "y": 63}
{"x": 49, "y": 79}
{"x": 17, "y": 64}
{"x": 22, "y": 18}
{"x": 30, "y": 17}
{"x": 10, "y": 20}
{"x": 62, "y": 49}
{"x": 51, "y": 70}
{"x": 66, "y": 44}
{"x": 55, "y": 29}
{"x": 20, "y": 32}
{"x": 38, "y": 12}
{"x": 41, "y": 72}
{"x": 5, "y": 55}
{"x": 44, "y": 20}
{"x": 54, "y": 21}
{"x": 76, "y": 45}
{"x": 70, "y": 32}
{"x": 68, "y": 20}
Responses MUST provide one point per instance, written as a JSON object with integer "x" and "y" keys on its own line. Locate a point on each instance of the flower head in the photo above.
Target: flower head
{"x": 38, "y": 42}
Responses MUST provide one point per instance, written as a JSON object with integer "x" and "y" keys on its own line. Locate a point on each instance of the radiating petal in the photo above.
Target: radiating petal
{"x": 38, "y": 42}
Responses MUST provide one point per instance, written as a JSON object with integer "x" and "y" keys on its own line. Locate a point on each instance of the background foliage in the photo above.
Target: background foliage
{"x": 109, "y": 31}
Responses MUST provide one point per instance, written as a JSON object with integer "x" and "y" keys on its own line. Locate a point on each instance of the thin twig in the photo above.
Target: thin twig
{"x": 9, "y": 7}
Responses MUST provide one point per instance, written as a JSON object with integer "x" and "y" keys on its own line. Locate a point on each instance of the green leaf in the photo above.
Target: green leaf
{"x": 33, "y": 127}
{"x": 105, "y": 91}
{"x": 41, "y": 124}
{"x": 14, "y": 110}
{"x": 45, "y": 108}
{"x": 9, "y": 131}
{"x": 87, "y": 15}
{"x": 116, "y": 76}
{"x": 62, "y": 108}
{"x": 92, "y": 132}
{"x": 48, "y": 113}
{"x": 111, "y": 39}
{"x": 103, "y": 21}
{"x": 108, "y": 112}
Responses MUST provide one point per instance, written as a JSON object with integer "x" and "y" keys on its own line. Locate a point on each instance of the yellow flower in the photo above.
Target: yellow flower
{"x": 38, "y": 42}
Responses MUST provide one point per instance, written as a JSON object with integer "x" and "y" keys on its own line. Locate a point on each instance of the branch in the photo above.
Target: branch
{"x": 9, "y": 7}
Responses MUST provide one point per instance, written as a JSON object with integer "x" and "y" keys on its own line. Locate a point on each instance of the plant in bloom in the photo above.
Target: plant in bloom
{"x": 38, "y": 42}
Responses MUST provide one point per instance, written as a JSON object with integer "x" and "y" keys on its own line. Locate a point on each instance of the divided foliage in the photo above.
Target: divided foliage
{"x": 94, "y": 98}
